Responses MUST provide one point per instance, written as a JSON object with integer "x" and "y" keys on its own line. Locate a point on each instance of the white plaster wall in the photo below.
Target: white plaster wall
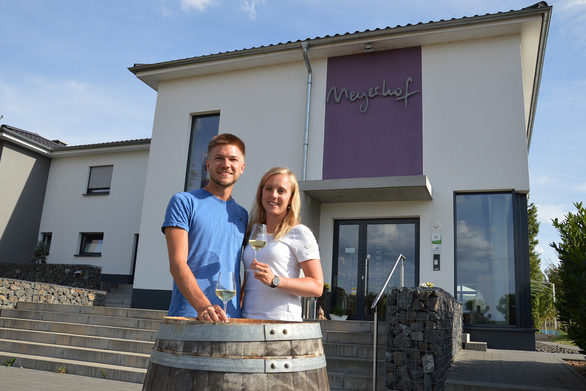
{"x": 67, "y": 211}
{"x": 15, "y": 169}
{"x": 265, "y": 107}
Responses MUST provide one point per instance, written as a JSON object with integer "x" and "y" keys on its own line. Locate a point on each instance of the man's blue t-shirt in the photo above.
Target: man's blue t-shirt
{"x": 215, "y": 230}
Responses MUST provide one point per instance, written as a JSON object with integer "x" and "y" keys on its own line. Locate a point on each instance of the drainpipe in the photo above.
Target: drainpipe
{"x": 304, "y": 46}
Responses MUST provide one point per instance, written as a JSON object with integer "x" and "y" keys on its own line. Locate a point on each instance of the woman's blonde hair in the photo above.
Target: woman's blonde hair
{"x": 292, "y": 218}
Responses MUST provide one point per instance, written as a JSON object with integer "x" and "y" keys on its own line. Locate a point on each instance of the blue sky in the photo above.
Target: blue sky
{"x": 63, "y": 67}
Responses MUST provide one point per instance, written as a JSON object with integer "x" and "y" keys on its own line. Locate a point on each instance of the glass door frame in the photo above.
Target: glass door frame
{"x": 362, "y": 253}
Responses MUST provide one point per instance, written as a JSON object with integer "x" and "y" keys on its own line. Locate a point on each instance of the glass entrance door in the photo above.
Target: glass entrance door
{"x": 364, "y": 254}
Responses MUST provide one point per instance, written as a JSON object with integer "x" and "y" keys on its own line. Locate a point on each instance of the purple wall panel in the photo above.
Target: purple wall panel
{"x": 368, "y": 134}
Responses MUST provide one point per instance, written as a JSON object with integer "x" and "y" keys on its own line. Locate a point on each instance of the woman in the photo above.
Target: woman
{"x": 272, "y": 283}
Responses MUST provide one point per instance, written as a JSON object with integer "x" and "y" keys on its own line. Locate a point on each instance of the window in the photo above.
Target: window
{"x": 485, "y": 258}
{"x": 99, "y": 181}
{"x": 91, "y": 244}
{"x": 46, "y": 240}
{"x": 203, "y": 129}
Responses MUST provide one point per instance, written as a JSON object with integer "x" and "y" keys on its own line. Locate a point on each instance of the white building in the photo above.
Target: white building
{"x": 409, "y": 140}
{"x": 84, "y": 202}
{"x": 93, "y": 201}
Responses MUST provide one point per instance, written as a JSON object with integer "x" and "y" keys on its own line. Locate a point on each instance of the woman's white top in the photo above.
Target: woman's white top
{"x": 284, "y": 257}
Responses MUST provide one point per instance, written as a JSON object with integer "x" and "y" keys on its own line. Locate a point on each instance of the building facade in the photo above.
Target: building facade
{"x": 92, "y": 206}
{"x": 83, "y": 202}
{"x": 24, "y": 169}
{"x": 409, "y": 140}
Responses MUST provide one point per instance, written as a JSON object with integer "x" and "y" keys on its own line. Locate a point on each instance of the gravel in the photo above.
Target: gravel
{"x": 552, "y": 347}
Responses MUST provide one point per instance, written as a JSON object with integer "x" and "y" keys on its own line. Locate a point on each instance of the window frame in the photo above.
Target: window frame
{"x": 85, "y": 239}
{"x": 46, "y": 238}
{"x": 198, "y": 146}
{"x": 520, "y": 244}
{"x": 99, "y": 190}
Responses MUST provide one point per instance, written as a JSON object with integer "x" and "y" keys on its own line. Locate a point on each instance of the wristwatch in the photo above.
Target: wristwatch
{"x": 275, "y": 283}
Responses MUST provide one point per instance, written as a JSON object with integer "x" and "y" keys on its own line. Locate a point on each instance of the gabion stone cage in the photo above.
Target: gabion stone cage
{"x": 424, "y": 335}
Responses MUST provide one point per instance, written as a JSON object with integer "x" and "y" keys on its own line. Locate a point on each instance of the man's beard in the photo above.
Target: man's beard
{"x": 221, "y": 183}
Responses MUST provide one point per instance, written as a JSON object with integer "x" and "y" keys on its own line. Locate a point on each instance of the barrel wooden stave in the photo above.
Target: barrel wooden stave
{"x": 163, "y": 377}
{"x": 167, "y": 378}
{"x": 293, "y": 348}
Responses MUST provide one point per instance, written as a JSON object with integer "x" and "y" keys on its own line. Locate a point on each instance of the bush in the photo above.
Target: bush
{"x": 40, "y": 254}
{"x": 571, "y": 301}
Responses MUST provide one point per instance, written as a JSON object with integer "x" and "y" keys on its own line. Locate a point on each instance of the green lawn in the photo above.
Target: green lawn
{"x": 563, "y": 339}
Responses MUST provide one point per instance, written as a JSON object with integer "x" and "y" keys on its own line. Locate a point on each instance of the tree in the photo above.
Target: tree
{"x": 542, "y": 307}
{"x": 570, "y": 298}
{"x": 535, "y": 272}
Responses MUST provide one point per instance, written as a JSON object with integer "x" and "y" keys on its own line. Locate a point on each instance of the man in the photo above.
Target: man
{"x": 204, "y": 230}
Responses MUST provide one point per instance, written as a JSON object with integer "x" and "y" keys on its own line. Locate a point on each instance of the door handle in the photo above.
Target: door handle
{"x": 365, "y": 277}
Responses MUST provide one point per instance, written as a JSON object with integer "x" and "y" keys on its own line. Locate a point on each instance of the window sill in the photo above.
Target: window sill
{"x": 94, "y": 255}
{"x": 95, "y": 194}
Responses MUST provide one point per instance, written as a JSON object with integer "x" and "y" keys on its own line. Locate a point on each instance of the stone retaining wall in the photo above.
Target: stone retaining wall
{"x": 12, "y": 291}
{"x": 424, "y": 328}
{"x": 81, "y": 276}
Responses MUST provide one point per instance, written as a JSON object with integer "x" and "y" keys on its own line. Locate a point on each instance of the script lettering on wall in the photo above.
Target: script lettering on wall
{"x": 372, "y": 92}
{"x": 373, "y": 115}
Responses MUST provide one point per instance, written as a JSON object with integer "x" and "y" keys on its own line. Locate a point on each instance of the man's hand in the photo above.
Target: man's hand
{"x": 212, "y": 313}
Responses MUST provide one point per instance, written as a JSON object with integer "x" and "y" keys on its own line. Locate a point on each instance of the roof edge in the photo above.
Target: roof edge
{"x": 536, "y": 9}
{"x": 50, "y": 148}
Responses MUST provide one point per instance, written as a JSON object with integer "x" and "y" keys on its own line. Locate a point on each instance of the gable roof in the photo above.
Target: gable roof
{"x": 30, "y": 137}
{"x": 427, "y": 33}
{"x": 39, "y": 144}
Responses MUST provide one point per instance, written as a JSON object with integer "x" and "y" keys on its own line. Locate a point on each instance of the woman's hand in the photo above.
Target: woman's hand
{"x": 263, "y": 272}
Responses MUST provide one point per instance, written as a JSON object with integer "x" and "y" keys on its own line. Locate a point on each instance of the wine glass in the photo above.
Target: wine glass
{"x": 226, "y": 287}
{"x": 258, "y": 237}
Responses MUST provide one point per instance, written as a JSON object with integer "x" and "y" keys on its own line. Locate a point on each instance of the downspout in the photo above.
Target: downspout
{"x": 304, "y": 46}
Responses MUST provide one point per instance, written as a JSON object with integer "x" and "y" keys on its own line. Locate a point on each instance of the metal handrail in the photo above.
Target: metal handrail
{"x": 373, "y": 306}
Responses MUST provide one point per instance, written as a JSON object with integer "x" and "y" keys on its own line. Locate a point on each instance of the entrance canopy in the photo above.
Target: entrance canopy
{"x": 395, "y": 188}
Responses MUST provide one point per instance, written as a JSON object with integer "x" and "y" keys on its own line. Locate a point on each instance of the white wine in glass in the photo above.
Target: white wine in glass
{"x": 226, "y": 288}
{"x": 258, "y": 237}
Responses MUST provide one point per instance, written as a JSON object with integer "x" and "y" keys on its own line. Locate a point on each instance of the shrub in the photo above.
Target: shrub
{"x": 571, "y": 301}
{"x": 40, "y": 254}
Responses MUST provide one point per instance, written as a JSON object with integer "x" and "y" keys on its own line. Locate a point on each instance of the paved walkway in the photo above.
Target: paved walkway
{"x": 513, "y": 370}
{"x": 22, "y": 379}
{"x": 472, "y": 370}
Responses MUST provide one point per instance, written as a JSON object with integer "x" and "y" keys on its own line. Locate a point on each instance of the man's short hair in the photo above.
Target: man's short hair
{"x": 226, "y": 139}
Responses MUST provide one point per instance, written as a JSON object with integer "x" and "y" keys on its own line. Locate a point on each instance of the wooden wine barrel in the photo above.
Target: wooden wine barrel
{"x": 243, "y": 354}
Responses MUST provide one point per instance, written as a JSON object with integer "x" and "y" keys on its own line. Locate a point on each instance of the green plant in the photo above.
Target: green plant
{"x": 542, "y": 305}
{"x": 570, "y": 299}
{"x": 62, "y": 369}
{"x": 10, "y": 362}
{"x": 562, "y": 338}
{"x": 40, "y": 253}
{"x": 337, "y": 311}
{"x": 103, "y": 373}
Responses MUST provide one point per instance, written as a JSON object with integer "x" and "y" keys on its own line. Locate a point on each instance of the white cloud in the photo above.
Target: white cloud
{"x": 566, "y": 5}
{"x": 581, "y": 187}
{"x": 542, "y": 180}
{"x": 573, "y": 20}
{"x": 540, "y": 250}
{"x": 250, "y": 7}
{"x": 548, "y": 212}
{"x": 75, "y": 111}
{"x": 199, "y": 5}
